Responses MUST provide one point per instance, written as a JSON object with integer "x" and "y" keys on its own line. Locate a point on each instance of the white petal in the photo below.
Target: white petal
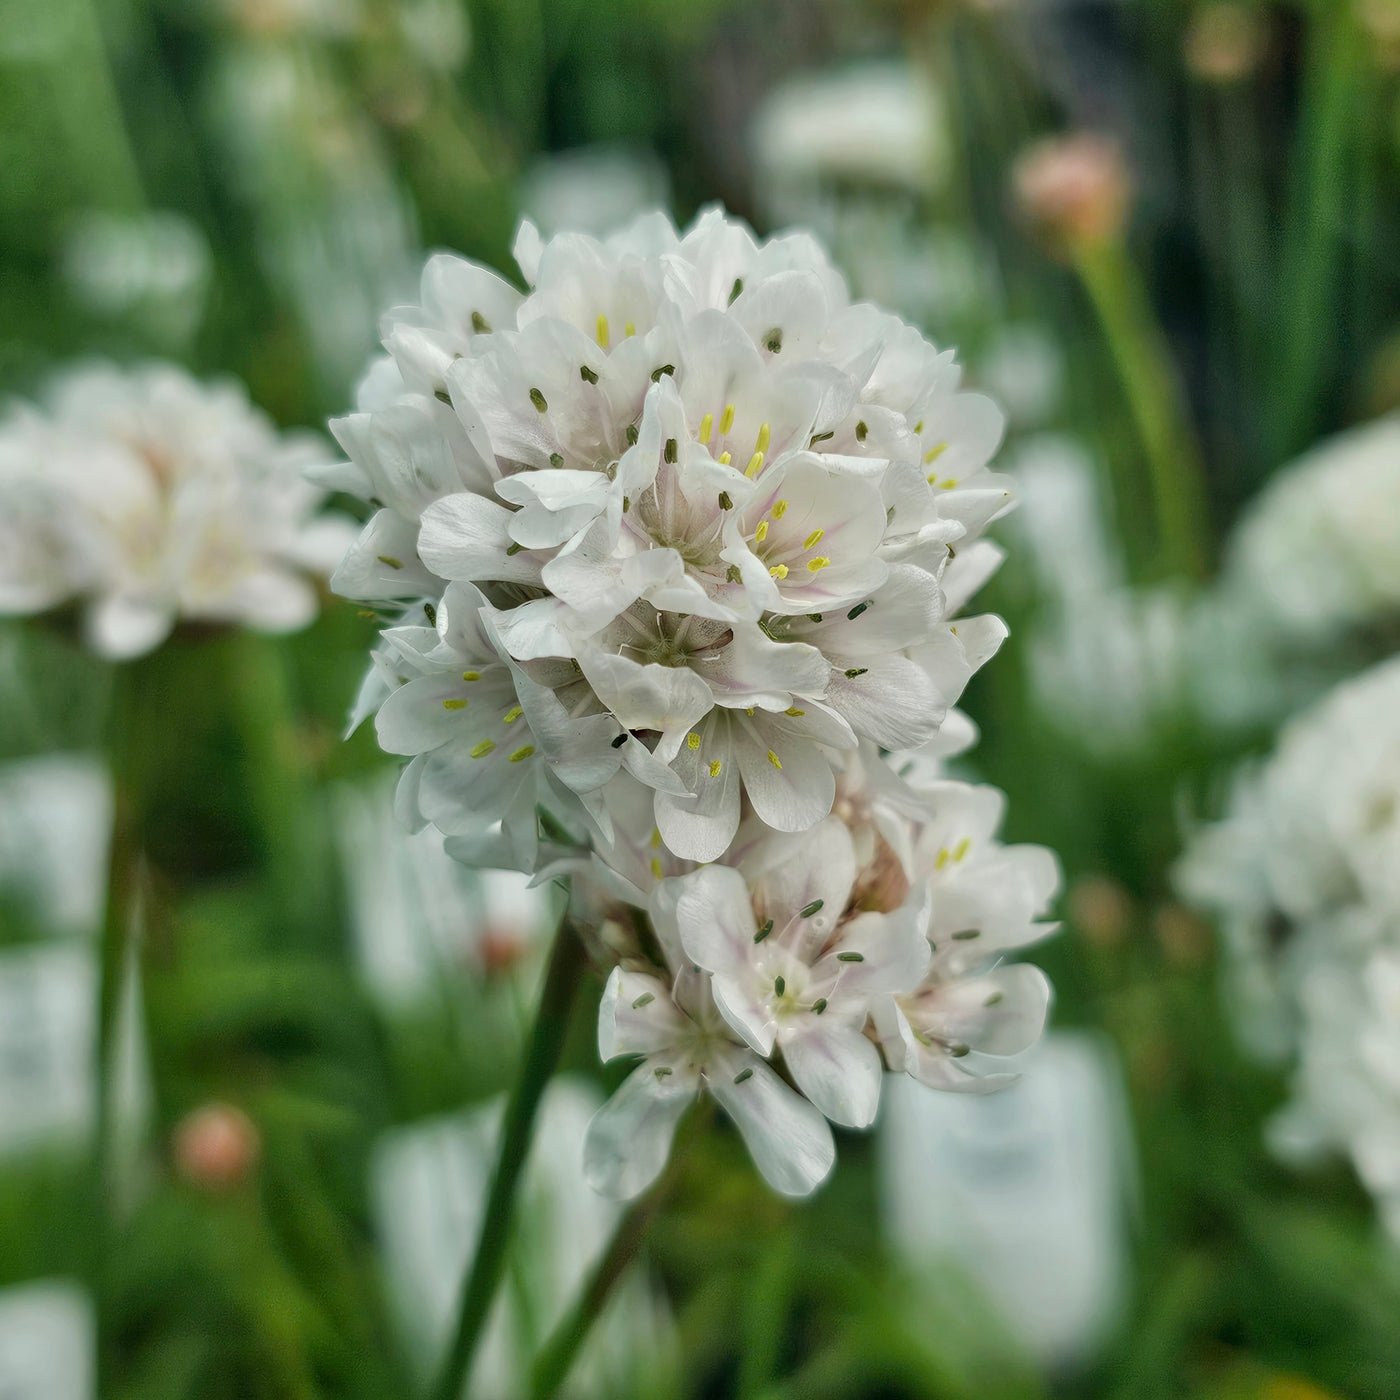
{"x": 838, "y": 1069}
{"x": 630, "y": 1137}
{"x": 788, "y": 1139}
{"x": 121, "y": 627}
{"x": 637, "y": 1016}
{"x": 467, "y": 537}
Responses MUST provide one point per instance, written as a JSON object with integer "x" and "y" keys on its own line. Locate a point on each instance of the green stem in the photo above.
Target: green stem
{"x": 559, "y": 1353}
{"x": 541, "y": 1056}
{"x": 1155, "y": 400}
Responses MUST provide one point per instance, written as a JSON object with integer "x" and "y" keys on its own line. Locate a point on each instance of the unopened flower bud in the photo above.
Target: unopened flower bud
{"x": 216, "y": 1147}
{"x": 1076, "y": 187}
{"x": 1224, "y": 42}
{"x": 1099, "y": 907}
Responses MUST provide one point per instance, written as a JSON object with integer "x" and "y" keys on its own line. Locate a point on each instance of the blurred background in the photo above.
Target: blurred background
{"x": 1163, "y": 234}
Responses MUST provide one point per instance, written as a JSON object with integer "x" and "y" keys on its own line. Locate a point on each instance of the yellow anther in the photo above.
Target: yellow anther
{"x": 754, "y": 466}
{"x": 761, "y": 533}
{"x": 935, "y": 452}
{"x": 512, "y": 714}
{"x": 764, "y": 433}
{"x": 707, "y": 424}
{"x": 794, "y": 712}
{"x": 656, "y": 867}
{"x": 471, "y": 675}
{"x": 941, "y": 859}
{"x": 726, "y": 419}
{"x": 919, "y": 426}
{"x": 602, "y": 330}
{"x": 817, "y": 564}
{"x": 454, "y": 703}
{"x": 521, "y": 754}
{"x": 815, "y": 538}
{"x": 629, "y": 329}
{"x": 656, "y": 838}
{"x": 724, "y": 459}
{"x": 960, "y": 850}
{"x": 715, "y": 766}
{"x": 692, "y": 741}
{"x": 774, "y": 760}
{"x": 778, "y": 571}
{"x": 779, "y": 509}
{"x": 748, "y": 710}
{"x": 949, "y": 484}
{"x": 483, "y": 748}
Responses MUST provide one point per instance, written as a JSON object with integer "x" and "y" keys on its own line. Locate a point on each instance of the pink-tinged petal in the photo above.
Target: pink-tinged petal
{"x": 716, "y": 920}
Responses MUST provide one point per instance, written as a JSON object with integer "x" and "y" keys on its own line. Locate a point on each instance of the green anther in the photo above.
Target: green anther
{"x": 814, "y": 617}
{"x": 780, "y": 985}
{"x": 735, "y": 290}
{"x": 391, "y": 561}
{"x": 726, "y": 501}
{"x": 732, "y": 574}
{"x": 660, "y": 370}
{"x": 670, "y": 451}
{"x": 632, "y": 434}
{"x": 513, "y": 549}
{"x": 856, "y": 611}
{"x": 994, "y": 999}
{"x": 480, "y": 324}
{"x": 661, "y": 1071}
{"x": 620, "y": 740}
{"x": 587, "y": 375}
{"x": 850, "y": 957}
{"x": 957, "y": 1050}
{"x": 854, "y": 671}
{"x": 764, "y": 929}
{"x": 645, "y": 999}
{"x": 819, "y": 437}
{"x": 555, "y": 460}
{"x": 965, "y": 934}
{"x": 430, "y": 612}
{"x": 774, "y": 340}
{"x": 442, "y": 396}
{"x": 819, "y": 1005}
{"x": 812, "y": 908}
{"x": 862, "y": 432}
{"x": 626, "y": 504}
{"x": 538, "y": 399}
{"x": 743, "y": 1075}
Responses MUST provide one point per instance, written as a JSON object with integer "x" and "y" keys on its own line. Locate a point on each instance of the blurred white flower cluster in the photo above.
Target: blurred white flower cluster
{"x": 1304, "y": 873}
{"x": 682, "y": 538}
{"x": 151, "y": 497}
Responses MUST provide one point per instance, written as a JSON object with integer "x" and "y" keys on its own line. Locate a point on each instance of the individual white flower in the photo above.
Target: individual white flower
{"x": 709, "y": 503}
{"x": 151, "y": 497}
{"x": 1303, "y": 873}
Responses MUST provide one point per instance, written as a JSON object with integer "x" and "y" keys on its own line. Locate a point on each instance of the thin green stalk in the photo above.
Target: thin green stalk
{"x": 551, "y": 1026}
{"x": 1155, "y": 400}
{"x": 1304, "y": 336}
{"x": 556, "y": 1358}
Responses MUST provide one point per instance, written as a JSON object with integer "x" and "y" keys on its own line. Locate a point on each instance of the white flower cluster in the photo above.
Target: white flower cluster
{"x": 681, "y": 537}
{"x": 151, "y": 497}
{"x": 1304, "y": 873}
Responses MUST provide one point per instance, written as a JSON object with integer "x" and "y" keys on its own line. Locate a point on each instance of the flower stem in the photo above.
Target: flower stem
{"x": 1155, "y": 400}
{"x": 541, "y": 1056}
{"x": 561, "y": 1350}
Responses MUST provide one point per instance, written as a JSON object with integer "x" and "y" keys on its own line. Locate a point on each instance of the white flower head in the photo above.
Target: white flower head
{"x": 150, "y": 498}
{"x": 721, "y": 516}
{"x": 1303, "y": 873}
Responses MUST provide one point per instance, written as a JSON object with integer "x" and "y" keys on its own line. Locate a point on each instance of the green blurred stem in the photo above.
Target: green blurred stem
{"x": 557, "y": 1356}
{"x": 566, "y": 961}
{"x": 1328, "y": 131}
{"x": 1144, "y": 365}
{"x": 133, "y": 686}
